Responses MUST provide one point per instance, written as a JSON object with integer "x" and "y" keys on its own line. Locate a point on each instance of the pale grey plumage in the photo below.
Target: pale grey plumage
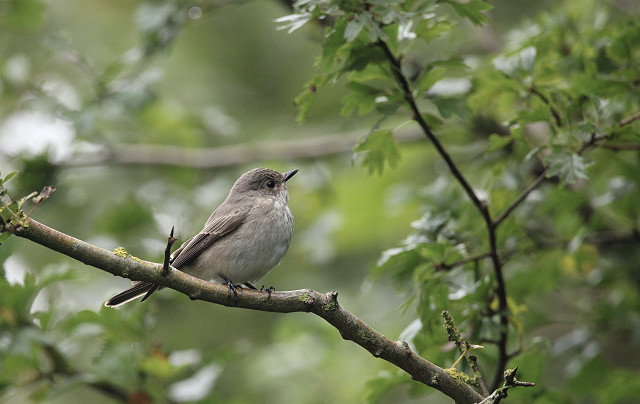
{"x": 243, "y": 239}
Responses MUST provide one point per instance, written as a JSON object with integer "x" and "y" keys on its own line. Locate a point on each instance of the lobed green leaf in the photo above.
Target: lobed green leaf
{"x": 379, "y": 148}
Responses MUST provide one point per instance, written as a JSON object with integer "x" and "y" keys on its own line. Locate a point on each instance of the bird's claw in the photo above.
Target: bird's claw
{"x": 269, "y": 290}
{"x": 231, "y": 288}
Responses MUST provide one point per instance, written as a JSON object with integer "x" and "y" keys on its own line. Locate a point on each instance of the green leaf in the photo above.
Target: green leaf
{"x": 293, "y": 22}
{"x": 430, "y": 28}
{"x": 370, "y": 73}
{"x": 379, "y": 148}
{"x": 471, "y": 10}
{"x": 570, "y": 167}
{"x": 10, "y": 212}
{"x": 332, "y": 45}
{"x": 516, "y": 65}
{"x": 388, "y": 106}
{"x": 23, "y": 14}
{"x": 449, "y": 106}
{"x": 4, "y": 236}
{"x": 25, "y": 198}
{"x": 497, "y": 142}
{"x": 353, "y": 29}
{"x": 536, "y": 113}
{"x": 625, "y": 43}
{"x": 304, "y": 100}
{"x": 433, "y": 121}
{"x": 8, "y": 177}
{"x": 362, "y": 56}
{"x": 362, "y": 97}
{"x": 431, "y": 77}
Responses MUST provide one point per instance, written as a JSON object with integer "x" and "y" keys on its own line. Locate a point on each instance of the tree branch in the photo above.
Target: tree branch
{"x": 224, "y": 156}
{"x": 445, "y": 267}
{"x": 417, "y": 116}
{"x": 521, "y": 198}
{"x": 501, "y": 288}
{"x": 628, "y": 120}
{"x": 556, "y": 115}
{"x": 323, "y": 305}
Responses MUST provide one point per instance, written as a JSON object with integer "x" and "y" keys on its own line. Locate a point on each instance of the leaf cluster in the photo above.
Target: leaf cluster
{"x": 41, "y": 355}
{"x": 562, "y": 101}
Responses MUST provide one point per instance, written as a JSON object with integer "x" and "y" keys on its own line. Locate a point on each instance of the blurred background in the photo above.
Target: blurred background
{"x": 93, "y": 93}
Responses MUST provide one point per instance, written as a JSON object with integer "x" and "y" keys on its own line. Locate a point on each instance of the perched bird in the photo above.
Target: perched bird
{"x": 244, "y": 238}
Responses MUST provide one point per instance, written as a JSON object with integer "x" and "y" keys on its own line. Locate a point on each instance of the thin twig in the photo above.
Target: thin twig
{"x": 445, "y": 267}
{"x": 502, "y": 392}
{"x": 556, "y": 115}
{"x": 516, "y": 202}
{"x": 595, "y": 139}
{"x": 417, "y": 116}
{"x": 630, "y": 119}
{"x": 167, "y": 253}
{"x": 621, "y": 146}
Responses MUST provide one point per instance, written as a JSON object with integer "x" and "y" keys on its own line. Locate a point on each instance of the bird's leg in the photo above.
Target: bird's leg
{"x": 250, "y": 286}
{"x": 231, "y": 287}
{"x": 269, "y": 290}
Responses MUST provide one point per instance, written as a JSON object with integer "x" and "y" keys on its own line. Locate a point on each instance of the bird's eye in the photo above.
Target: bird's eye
{"x": 271, "y": 184}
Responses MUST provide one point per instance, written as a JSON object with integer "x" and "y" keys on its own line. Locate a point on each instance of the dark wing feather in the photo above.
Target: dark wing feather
{"x": 217, "y": 227}
{"x": 138, "y": 289}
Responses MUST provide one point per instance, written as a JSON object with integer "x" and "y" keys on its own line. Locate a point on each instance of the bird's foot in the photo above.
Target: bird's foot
{"x": 269, "y": 290}
{"x": 231, "y": 287}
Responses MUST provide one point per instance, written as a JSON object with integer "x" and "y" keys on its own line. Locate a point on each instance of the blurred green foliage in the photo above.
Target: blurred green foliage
{"x": 512, "y": 94}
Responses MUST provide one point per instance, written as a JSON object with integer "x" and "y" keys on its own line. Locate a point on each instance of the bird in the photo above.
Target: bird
{"x": 243, "y": 239}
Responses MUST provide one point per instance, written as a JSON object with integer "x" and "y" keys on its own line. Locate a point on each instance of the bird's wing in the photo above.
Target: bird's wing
{"x": 216, "y": 227}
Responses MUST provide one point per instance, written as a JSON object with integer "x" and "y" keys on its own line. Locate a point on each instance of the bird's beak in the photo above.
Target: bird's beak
{"x": 289, "y": 174}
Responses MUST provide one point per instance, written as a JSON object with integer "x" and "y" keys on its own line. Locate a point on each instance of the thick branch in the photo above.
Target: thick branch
{"x": 305, "y": 300}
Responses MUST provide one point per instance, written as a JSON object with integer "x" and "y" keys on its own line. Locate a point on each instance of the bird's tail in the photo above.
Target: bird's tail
{"x": 138, "y": 289}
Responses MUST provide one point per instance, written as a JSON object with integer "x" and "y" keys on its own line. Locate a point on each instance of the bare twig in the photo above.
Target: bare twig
{"x": 502, "y": 392}
{"x": 621, "y": 146}
{"x": 516, "y": 202}
{"x": 445, "y": 267}
{"x": 417, "y": 116}
{"x": 630, "y": 119}
{"x": 323, "y": 305}
{"x": 556, "y": 115}
{"x": 167, "y": 252}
